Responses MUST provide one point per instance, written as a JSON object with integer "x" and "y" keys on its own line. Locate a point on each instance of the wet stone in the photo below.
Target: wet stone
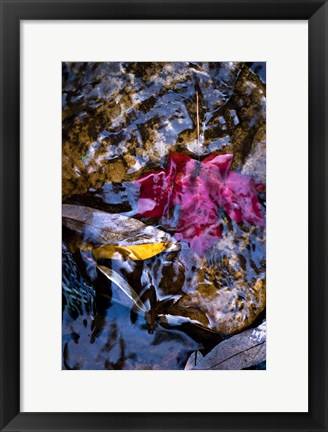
{"x": 121, "y": 122}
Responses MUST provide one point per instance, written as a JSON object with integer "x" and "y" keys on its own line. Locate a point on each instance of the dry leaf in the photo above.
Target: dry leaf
{"x": 133, "y": 252}
{"x": 239, "y": 352}
{"x": 193, "y": 360}
{"x": 114, "y": 236}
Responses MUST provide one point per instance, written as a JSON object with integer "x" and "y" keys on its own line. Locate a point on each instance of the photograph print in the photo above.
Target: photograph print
{"x": 164, "y": 216}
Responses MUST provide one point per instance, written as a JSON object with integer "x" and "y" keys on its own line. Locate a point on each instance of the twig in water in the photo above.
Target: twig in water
{"x": 197, "y": 113}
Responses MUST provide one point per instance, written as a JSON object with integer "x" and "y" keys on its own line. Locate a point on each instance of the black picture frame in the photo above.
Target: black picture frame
{"x": 12, "y": 12}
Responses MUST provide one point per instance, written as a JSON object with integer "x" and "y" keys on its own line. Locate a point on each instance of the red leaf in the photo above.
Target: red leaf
{"x": 188, "y": 193}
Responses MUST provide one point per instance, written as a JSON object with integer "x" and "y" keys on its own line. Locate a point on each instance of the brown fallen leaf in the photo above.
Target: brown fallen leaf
{"x": 114, "y": 236}
{"x": 193, "y": 360}
{"x": 239, "y": 352}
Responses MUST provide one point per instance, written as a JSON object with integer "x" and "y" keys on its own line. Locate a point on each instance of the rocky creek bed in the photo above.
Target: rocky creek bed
{"x": 177, "y": 152}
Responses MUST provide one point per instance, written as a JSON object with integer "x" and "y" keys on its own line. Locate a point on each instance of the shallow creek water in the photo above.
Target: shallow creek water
{"x": 122, "y": 122}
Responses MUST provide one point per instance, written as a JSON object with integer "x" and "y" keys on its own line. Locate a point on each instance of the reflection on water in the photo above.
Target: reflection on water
{"x": 114, "y": 337}
{"x": 122, "y": 121}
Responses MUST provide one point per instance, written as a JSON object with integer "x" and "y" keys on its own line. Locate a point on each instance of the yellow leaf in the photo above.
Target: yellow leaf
{"x": 138, "y": 252}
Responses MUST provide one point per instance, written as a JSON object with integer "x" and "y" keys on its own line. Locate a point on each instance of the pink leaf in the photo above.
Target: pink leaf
{"x": 188, "y": 194}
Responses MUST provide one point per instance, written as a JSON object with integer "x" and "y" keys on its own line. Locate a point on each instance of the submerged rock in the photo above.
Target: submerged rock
{"x": 225, "y": 291}
{"x": 121, "y": 120}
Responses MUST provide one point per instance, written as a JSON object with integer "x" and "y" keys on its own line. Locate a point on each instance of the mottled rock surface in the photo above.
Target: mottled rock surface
{"x": 121, "y": 120}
